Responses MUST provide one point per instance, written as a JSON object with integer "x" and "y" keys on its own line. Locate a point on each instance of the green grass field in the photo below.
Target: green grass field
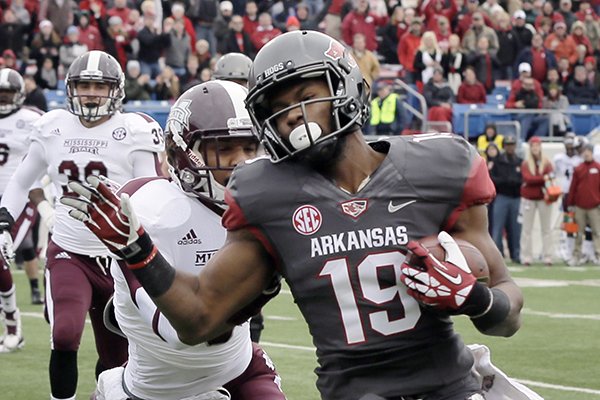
{"x": 556, "y": 352}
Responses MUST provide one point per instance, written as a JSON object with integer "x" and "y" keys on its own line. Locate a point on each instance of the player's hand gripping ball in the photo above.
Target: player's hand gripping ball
{"x": 441, "y": 272}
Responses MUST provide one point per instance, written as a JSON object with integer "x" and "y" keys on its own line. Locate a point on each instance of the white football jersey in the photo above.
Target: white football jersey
{"x": 15, "y": 136}
{"x": 161, "y": 367}
{"x": 72, "y": 152}
{"x": 563, "y": 168}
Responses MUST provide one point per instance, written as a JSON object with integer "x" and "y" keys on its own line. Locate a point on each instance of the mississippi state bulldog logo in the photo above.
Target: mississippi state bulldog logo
{"x": 307, "y": 220}
{"x": 179, "y": 120}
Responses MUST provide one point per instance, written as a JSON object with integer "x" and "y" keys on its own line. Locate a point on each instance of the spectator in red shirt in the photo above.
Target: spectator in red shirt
{"x": 434, "y": 9}
{"x": 584, "y": 200}
{"x": 265, "y": 31}
{"x": 443, "y": 32}
{"x": 407, "y": 49}
{"x": 535, "y": 170}
{"x": 89, "y": 34}
{"x": 361, "y": 20}
{"x": 579, "y": 35}
{"x": 540, "y": 59}
{"x": 584, "y": 9}
{"x": 517, "y": 84}
{"x": 527, "y": 98}
{"x": 471, "y": 91}
{"x": 97, "y": 10}
{"x": 9, "y": 59}
{"x": 120, "y": 9}
{"x": 593, "y": 75}
{"x": 251, "y": 18}
{"x": 561, "y": 44}
{"x": 548, "y": 11}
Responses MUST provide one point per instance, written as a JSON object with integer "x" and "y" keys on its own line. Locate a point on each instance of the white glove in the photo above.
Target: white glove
{"x": 7, "y": 247}
{"x": 109, "y": 217}
{"x": 47, "y": 214}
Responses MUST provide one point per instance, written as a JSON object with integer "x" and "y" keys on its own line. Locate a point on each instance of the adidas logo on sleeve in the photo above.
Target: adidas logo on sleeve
{"x": 189, "y": 238}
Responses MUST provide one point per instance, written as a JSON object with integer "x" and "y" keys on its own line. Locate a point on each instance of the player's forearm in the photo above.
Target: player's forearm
{"x": 27, "y": 174}
{"x": 511, "y": 322}
{"x": 178, "y": 297}
{"x": 15, "y": 197}
{"x": 188, "y": 314}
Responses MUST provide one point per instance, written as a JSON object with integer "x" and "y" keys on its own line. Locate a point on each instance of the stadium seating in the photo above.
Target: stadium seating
{"x": 477, "y": 121}
{"x": 159, "y": 110}
{"x": 583, "y": 124}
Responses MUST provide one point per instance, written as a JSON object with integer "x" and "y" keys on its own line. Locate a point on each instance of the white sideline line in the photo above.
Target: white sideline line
{"x": 594, "y": 317}
{"x": 312, "y": 350}
{"x": 523, "y": 381}
{"x": 559, "y": 387}
{"x": 288, "y": 346}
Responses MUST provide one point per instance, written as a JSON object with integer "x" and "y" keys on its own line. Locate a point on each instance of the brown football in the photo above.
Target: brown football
{"x": 475, "y": 259}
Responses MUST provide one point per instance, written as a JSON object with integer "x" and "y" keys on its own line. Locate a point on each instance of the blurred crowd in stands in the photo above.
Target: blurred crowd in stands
{"x": 452, "y": 51}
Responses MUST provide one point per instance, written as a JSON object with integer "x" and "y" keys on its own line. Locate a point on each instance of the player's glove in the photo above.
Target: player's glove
{"x": 447, "y": 285}
{"x": 6, "y": 243}
{"x": 111, "y": 219}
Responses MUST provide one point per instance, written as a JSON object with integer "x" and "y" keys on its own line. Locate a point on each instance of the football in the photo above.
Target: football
{"x": 474, "y": 258}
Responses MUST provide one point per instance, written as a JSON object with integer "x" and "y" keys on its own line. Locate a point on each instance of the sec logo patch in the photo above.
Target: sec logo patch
{"x": 307, "y": 220}
{"x": 119, "y": 134}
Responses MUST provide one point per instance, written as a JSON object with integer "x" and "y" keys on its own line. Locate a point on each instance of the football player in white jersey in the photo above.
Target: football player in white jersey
{"x": 92, "y": 137}
{"x": 16, "y": 127}
{"x": 208, "y": 133}
{"x": 564, "y": 164}
{"x": 235, "y": 67}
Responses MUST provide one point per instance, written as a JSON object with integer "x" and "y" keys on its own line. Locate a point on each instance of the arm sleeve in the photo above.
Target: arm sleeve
{"x": 29, "y": 172}
{"x": 145, "y": 163}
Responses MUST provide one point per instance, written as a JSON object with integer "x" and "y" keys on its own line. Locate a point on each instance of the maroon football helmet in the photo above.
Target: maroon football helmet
{"x": 213, "y": 110}
{"x": 12, "y": 91}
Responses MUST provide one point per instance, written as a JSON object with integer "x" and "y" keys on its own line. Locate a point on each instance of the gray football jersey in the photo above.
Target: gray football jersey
{"x": 341, "y": 254}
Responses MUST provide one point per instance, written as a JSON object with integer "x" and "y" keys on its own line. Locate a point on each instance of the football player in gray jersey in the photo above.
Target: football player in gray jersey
{"x": 335, "y": 216}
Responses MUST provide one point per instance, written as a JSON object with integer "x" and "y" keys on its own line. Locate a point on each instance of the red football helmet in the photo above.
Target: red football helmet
{"x": 212, "y": 110}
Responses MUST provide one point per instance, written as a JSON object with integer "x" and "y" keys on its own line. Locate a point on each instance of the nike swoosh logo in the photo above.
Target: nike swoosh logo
{"x": 456, "y": 280}
{"x": 392, "y": 208}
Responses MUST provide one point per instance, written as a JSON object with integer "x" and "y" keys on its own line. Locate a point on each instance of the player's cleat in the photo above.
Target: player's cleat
{"x": 13, "y": 339}
{"x": 36, "y": 297}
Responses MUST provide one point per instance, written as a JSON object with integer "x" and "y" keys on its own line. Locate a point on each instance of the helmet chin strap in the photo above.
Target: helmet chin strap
{"x": 218, "y": 191}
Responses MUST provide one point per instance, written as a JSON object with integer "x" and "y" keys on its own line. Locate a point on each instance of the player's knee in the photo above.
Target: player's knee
{"x": 66, "y": 337}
